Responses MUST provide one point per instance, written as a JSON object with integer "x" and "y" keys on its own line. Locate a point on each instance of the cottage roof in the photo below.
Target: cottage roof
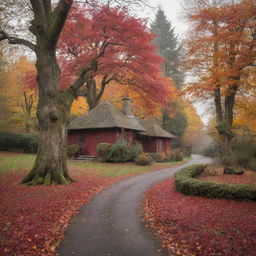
{"x": 153, "y": 129}
{"x": 105, "y": 115}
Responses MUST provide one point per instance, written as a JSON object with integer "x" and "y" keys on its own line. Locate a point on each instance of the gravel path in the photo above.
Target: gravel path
{"x": 111, "y": 224}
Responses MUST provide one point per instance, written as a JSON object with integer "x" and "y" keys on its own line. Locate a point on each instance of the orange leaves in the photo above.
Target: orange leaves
{"x": 222, "y": 45}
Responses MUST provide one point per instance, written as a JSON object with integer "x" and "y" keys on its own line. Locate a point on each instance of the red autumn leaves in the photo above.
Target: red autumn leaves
{"x": 199, "y": 226}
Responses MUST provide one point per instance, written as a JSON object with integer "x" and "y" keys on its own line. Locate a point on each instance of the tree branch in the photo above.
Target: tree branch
{"x": 104, "y": 82}
{"x": 16, "y": 40}
{"x": 57, "y": 21}
{"x": 39, "y": 13}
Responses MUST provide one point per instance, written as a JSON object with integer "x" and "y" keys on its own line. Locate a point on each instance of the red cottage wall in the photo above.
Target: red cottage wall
{"x": 151, "y": 145}
{"x": 95, "y": 136}
{"x": 92, "y": 139}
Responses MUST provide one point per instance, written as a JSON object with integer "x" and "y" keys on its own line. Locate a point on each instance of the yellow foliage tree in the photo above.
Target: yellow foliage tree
{"x": 194, "y": 131}
{"x": 21, "y": 97}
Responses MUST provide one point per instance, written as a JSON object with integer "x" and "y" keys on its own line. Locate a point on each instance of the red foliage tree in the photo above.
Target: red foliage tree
{"x": 129, "y": 57}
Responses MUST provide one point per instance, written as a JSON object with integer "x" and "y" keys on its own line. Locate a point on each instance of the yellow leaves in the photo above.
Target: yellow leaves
{"x": 195, "y": 126}
{"x": 79, "y": 106}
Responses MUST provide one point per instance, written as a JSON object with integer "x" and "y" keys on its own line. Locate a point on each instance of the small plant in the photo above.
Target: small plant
{"x": 73, "y": 150}
{"x": 119, "y": 152}
{"x": 102, "y": 151}
{"x": 142, "y": 159}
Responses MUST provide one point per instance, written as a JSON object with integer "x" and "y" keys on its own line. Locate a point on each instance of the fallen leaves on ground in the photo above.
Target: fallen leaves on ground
{"x": 196, "y": 226}
{"x": 33, "y": 219}
{"x": 248, "y": 178}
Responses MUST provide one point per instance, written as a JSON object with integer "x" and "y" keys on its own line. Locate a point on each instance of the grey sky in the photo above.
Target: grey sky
{"x": 173, "y": 11}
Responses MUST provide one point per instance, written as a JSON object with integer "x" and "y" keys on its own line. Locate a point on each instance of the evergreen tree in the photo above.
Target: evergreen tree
{"x": 167, "y": 45}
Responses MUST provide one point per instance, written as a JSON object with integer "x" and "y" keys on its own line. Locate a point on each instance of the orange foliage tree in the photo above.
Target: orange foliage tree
{"x": 21, "y": 96}
{"x": 194, "y": 131}
{"x": 221, "y": 49}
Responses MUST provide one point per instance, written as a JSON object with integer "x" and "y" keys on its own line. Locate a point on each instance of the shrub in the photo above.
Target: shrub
{"x": 119, "y": 152}
{"x": 212, "y": 150}
{"x": 135, "y": 150}
{"x": 186, "y": 151}
{"x": 163, "y": 158}
{"x": 186, "y": 183}
{"x": 149, "y": 157}
{"x": 176, "y": 155}
{"x": 155, "y": 157}
{"x": 102, "y": 151}
{"x": 73, "y": 150}
{"x": 232, "y": 170}
{"x": 142, "y": 159}
{"x": 252, "y": 164}
{"x": 18, "y": 142}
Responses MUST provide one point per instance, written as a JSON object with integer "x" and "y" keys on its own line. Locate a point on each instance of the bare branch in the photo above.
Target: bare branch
{"x": 16, "y": 40}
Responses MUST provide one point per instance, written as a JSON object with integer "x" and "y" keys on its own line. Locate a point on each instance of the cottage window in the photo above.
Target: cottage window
{"x": 160, "y": 145}
{"x": 81, "y": 139}
{"x": 127, "y": 137}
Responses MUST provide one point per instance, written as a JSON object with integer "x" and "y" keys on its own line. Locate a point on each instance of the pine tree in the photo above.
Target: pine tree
{"x": 167, "y": 45}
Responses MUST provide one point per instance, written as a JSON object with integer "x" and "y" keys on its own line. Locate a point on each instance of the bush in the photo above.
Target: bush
{"x": 102, "y": 151}
{"x": 163, "y": 158}
{"x": 186, "y": 151}
{"x": 119, "y": 152}
{"x": 73, "y": 150}
{"x": 212, "y": 150}
{"x": 176, "y": 155}
{"x": 142, "y": 159}
{"x": 18, "y": 142}
{"x": 155, "y": 157}
{"x": 252, "y": 164}
{"x": 232, "y": 170}
{"x": 135, "y": 150}
{"x": 186, "y": 183}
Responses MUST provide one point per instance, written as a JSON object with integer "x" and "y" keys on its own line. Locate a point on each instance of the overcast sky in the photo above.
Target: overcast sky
{"x": 173, "y": 11}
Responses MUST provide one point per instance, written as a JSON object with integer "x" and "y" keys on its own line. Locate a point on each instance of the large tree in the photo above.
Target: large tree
{"x": 130, "y": 58}
{"x": 221, "y": 48}
{"x": 168, "y": 47}
{"x": 54, "y": 103}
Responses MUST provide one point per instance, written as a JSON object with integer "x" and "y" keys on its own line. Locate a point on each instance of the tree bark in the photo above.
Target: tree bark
{"x": 52, "y": 112}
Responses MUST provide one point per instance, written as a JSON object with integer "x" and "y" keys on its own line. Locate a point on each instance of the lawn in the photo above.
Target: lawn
{"x": 190, "y": 225}
{"x": 33, "y": 219}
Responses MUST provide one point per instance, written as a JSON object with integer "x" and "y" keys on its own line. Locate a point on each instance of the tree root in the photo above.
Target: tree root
{"x": 48, "y": 179}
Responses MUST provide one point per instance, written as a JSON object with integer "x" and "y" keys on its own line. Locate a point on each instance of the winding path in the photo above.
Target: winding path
{"x": 111, "y": 225}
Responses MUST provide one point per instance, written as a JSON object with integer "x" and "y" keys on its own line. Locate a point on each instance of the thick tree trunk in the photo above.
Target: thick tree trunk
{"x": 52, "y": 112}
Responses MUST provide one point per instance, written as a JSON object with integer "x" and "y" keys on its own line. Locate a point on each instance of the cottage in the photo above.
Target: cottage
{"x": 106, "y": 123}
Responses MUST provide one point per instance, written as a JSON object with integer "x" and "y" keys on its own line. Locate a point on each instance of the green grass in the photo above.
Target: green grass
{"x": 111, "y": 170}
{"x": 17, "y": 163}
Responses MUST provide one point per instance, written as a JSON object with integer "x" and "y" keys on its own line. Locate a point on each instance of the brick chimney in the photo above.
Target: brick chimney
{"x": 126, "y": 106}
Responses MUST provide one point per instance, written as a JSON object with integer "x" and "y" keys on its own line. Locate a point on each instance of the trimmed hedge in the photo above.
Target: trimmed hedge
{"x": 187, "y": 183}
{"x": 18, "y": 142}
